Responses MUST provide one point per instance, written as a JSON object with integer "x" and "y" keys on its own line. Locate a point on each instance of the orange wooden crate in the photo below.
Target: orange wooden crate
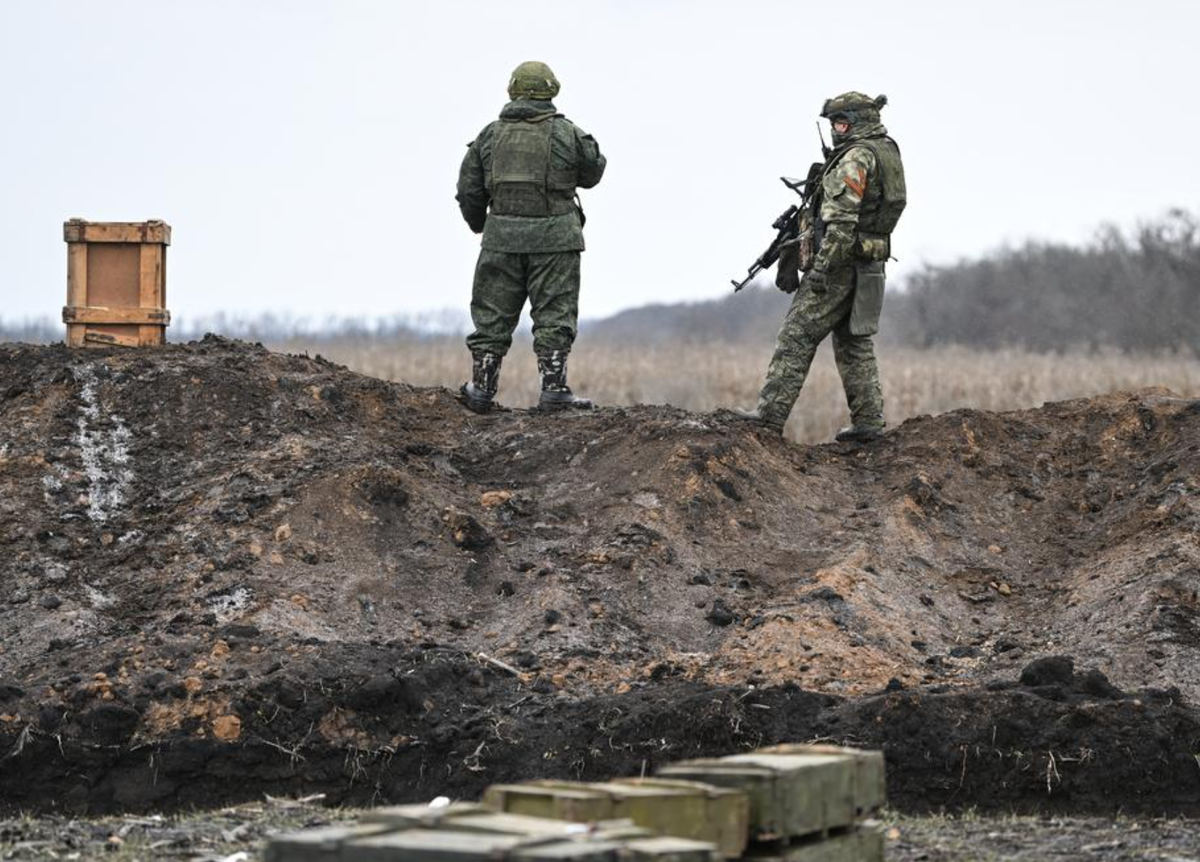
{"x": 116, "y": 283}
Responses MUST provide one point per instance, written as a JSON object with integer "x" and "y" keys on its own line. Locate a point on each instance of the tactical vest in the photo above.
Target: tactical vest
{"x": 886, "y": 194}
{"x": 522, "y": 180}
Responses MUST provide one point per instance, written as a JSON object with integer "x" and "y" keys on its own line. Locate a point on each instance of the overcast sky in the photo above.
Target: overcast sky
{"x": 305, "y": 153}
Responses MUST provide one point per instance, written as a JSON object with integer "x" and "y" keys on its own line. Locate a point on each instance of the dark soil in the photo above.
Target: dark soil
{"x": 217, "y": 836}
{"x": 973, "y": 838}
{"x": 225, "y": 572}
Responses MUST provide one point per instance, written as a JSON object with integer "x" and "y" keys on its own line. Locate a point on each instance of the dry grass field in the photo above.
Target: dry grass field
{"x": 728, "y": 375}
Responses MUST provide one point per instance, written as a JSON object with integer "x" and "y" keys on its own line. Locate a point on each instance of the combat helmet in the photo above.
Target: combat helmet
{"x": 853, "y": 108}
{"x": 533, "y": 80}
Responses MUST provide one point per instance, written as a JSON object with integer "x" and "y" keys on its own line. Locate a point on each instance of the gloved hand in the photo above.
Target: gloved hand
{"x": 788, "y": 282}
{"x": 814, "y": 280}
{"x": 476, "y": 221}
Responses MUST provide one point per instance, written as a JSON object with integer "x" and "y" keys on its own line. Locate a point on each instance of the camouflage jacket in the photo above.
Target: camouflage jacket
{"x": 852, "y": 180}
{"x": 571, "y": 149}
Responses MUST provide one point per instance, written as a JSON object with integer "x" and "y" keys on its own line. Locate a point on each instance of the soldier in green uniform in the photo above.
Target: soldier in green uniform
{"x": 855, "y": 210}
{"x": 517, "y": 186}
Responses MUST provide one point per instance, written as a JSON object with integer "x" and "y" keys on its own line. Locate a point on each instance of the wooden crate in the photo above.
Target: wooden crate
{"x": 116, "y": 283}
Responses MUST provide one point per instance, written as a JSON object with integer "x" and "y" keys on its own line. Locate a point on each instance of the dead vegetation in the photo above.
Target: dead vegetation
{"x": 724, "y": 374}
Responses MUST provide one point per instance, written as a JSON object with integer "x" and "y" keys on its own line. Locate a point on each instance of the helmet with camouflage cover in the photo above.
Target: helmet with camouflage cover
{"x": 533, "y": 80}
{"x": 853, "y": 108}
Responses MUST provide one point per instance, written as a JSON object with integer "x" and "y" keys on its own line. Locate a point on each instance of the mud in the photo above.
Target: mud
{"x": 225, "y": 572}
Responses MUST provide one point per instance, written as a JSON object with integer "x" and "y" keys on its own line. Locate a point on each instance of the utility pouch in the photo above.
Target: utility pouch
{"x": 808, "y": 242}
{"x": 787, "y": 272}
{"x": 868, "y": 299}
{"x": 873, "y": 248}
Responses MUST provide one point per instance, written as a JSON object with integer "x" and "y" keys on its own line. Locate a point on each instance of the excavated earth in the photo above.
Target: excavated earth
{"x": 225, "y": 572}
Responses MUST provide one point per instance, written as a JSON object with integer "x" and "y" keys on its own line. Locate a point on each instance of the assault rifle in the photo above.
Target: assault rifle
{"x": 787, "y": 226}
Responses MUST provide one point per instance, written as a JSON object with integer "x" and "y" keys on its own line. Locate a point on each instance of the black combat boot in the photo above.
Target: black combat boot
{"x": 556, "y": 394}
{"x": 485, "y": 377}
{"x": 859, "y": 434}
{"x": 768, "y": 422}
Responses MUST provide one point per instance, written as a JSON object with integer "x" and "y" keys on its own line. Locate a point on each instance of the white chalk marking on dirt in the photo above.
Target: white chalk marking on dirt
{"x": 100, "y": 600}
{"x": 231, "y": 604}
{"x": 131, "y": 536}
{"x": 104, "y": 451}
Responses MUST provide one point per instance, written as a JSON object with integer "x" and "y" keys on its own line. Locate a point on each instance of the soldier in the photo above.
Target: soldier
{"x": 517, "y": 186}
{"x": 855, "y": 208}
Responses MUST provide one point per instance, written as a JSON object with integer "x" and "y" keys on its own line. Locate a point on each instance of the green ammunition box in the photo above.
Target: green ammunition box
{"x": 420, "y": 815}
{"x": 464, "y": 817}
{"x": 429, "y": 845}
{"x": 683, "y": 809}
{"x": 669, "y": 849}
{"x": 870, "y": 782}
{"x": 317, "y": 845}
{"x": 503, "y": 823}
{"x": 790, "y": 794}
{"x": 862, "y": 844}
{"x": 588, "y": 851}
{"x": 560, "y": 800}
{"x": 441, "y": 845}
{"x": 725, "y": 820}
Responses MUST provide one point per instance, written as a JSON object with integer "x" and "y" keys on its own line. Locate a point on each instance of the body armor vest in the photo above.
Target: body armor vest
{"x": 522, "y": 180}
{"x": 886, "y": 194}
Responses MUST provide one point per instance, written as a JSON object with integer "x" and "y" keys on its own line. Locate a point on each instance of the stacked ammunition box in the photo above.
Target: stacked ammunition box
{"x": 684, "y": 809}
{"x": 807, "y": 803}
{"x": 473, "y": 833}
{"x": 791, "y": 803}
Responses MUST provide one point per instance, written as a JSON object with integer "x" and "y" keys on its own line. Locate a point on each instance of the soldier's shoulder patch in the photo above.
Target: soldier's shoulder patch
{"x": 854, "y": 170}
{"x": 856, "y": 181}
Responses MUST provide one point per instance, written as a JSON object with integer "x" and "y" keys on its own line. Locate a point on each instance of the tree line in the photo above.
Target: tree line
{"x": 1130, "y": 291}
{"x": 1137, "y": 291}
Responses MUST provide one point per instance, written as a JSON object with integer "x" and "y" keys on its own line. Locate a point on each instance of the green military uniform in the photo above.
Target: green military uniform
{"x": 861, "y": 196}
{"x": 517, "y": 186}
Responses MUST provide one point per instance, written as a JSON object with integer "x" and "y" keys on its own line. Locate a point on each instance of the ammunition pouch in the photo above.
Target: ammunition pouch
{"x": 807, "y": 241}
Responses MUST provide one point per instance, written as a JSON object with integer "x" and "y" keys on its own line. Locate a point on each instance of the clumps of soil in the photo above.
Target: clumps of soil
{"x": 225, "y": 571}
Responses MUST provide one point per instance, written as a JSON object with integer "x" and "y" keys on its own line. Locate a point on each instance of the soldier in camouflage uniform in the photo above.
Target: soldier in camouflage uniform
{"x": 517, "y": 186}
{"x": 860, "y": 198}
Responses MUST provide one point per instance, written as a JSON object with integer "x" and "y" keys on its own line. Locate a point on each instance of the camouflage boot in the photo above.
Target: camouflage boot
{"x": 556, "y": 394}
{"x": 766, "y": 420}
{"x": 477, "y": 395}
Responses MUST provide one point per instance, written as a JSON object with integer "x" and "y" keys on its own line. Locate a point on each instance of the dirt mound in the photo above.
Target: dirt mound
{"x": 224, "y": 571}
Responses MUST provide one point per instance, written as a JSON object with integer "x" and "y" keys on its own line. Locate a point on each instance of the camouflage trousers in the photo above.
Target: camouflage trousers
{"x": 810, "y": 318}
{"x": 505, "y": 280}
